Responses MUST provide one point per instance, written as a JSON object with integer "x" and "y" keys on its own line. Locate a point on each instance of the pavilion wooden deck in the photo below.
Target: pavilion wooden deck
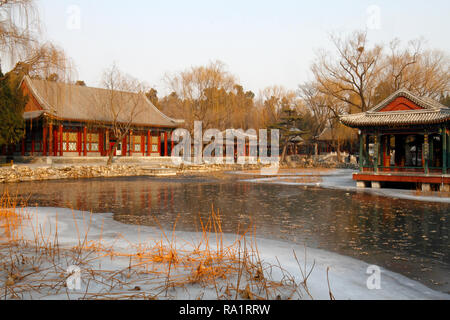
{"x": 424, "y": 181}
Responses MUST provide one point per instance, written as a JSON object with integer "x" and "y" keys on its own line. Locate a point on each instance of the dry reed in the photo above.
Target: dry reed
{"x": 166, "y": 268}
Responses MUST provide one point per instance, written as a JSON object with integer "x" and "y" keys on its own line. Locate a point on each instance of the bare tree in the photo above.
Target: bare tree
{"x": 431, "y": 75}
{"x": 319, "y": 109}
{"x": 423, "y": 72}
{"x": 19, "y": 27}
{"x": 21, "y": 47}
{"x": 119, "y": 105}
{"x": 200, "y": 89}
{"x": 361, "y": 76}
{"x": 271, "y": 102}
{"x": 352, "y": 76}
{"x": 399, "y": 62}
{"x": 46, "y": 61}
{"x": 324, "y": 114}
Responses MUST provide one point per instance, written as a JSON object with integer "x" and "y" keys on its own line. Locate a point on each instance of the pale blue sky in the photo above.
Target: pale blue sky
{"x": 262, "y": 42}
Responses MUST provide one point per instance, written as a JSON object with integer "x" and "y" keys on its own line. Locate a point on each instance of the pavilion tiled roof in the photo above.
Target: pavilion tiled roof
{"x": 81, "y": 103}
{"x": 431, "y": 112}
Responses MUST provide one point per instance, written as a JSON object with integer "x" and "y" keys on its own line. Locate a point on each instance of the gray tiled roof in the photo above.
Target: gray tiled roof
{"x": 432, "y": 113}
{"x": 81, "y": 103}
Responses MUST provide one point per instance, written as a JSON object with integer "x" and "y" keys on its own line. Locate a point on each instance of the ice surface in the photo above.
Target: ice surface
{"x": 342, "y": 179}
{"x": 348, "y": 277}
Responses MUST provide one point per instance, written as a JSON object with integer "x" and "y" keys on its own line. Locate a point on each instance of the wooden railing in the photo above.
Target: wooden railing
{"x": 404, "y": 169}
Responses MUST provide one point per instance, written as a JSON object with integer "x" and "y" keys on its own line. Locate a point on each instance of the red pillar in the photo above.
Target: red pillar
{"x": 61, "y": 149}
{"x": 32, "y": 143}
{"x": 79, "y": 142}
{"x": 124, "y": 146}
{"x": 384, "y": 147}
{"x": 166, "y": 150}
{"x": 44, "y": 141}
{"x": 50, "y": 140}
{"x": 85, "y": 141}
{"x": 131, "y": 143}
{"x": 149, "y": 142}
{"x": 56, "y": 142}
{"x": 143, "y": 145}
{"x": 159, "y": 143}
{"x": 108, "y": 144}
{"x": 102, "y": 142}
{"x": 173, "y": 145}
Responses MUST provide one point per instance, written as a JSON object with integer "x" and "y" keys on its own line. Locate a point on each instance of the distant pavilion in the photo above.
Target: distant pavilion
{"x": 404, "y": 139}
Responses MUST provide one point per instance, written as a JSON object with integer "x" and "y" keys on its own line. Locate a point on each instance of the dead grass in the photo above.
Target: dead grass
{"x": 166, "y": 268}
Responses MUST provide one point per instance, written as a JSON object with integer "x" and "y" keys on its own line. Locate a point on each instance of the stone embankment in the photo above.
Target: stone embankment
{"x": 299, "y": 162}
{"x": 22, "y": 173}
{"x": 52, "y": 170}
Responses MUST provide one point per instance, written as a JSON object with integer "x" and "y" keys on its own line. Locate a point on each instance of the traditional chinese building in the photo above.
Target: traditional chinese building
{"x": 67, "y": 120}
{"x": 404, "y": 139}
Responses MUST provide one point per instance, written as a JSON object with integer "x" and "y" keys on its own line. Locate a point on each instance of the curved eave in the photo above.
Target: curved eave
{"x": 42, "y": 102}
{"x": 31, "y": 115}
{"x": 175, "y": 121}
{"x": 38, "y": 114}
{"x": 393, "y": 123}
{"x": 400, "y": 118}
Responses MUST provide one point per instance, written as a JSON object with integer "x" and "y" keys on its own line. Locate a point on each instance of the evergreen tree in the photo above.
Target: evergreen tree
{"x": 290, "y": 126}
{"x": 12, "y": 105}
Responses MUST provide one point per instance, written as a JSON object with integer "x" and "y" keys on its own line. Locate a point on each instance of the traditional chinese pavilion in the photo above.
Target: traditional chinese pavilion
{"x": 67, "y": 120}
{"x": 404, "y": 139}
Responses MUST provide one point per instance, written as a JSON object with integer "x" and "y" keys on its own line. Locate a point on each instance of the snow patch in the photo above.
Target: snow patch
{"x": 348, "y": 277}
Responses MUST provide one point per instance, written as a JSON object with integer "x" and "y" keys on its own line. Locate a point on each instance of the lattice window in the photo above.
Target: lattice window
{"x": 92, "y": 144}
{"x": 93, "y": 137}
{"x": 72, "y": 146}
{"x": 94, "y": 147}
{"x": 72, "y": 136}
{"x": 70, "y": 141}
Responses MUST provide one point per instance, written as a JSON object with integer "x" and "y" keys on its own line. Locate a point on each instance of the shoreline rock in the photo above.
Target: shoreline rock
{"x": 17, "y": 174}
{"x": 24, "y": 173}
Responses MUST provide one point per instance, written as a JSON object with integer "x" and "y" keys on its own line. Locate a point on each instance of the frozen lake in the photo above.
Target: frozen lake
{"x": 405, "y": 236}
